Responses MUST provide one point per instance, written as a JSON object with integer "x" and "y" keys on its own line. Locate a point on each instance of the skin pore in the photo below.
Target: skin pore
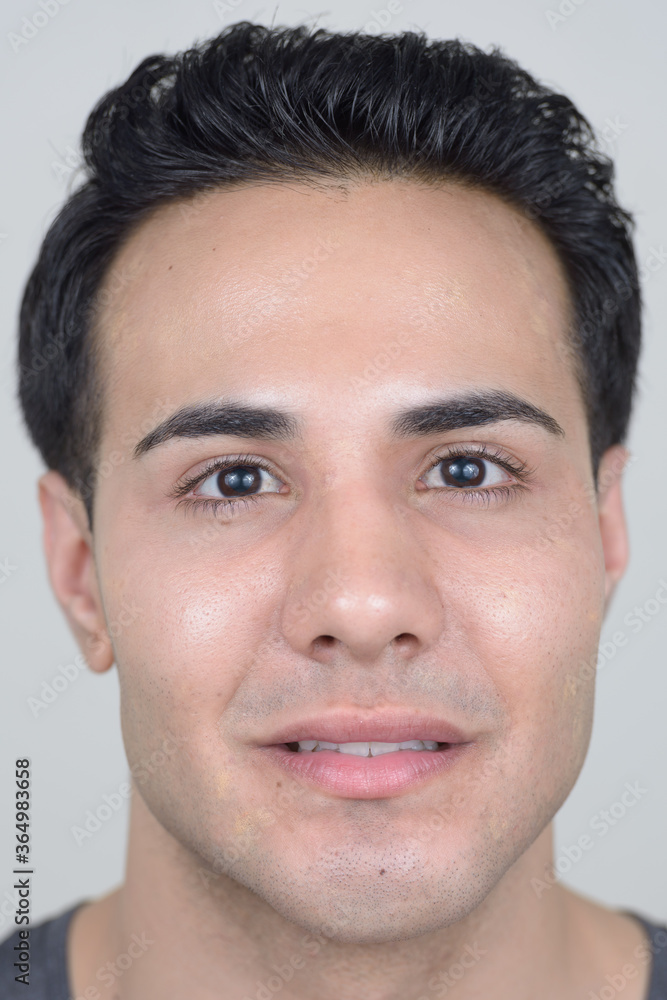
{"x": 356, "y": 580}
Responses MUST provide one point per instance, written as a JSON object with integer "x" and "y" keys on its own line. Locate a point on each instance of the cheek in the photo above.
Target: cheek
{"x": 199, "y": 626}
{"x": 537, "y": 628}
{"x": 197, "y": 612}
{"x": 179, "y": 667}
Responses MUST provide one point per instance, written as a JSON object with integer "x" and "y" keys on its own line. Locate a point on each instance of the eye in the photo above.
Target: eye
{"x": 226, "y": 484}
{"x": 473, "y": 468}
{"x": 231, "y": 481}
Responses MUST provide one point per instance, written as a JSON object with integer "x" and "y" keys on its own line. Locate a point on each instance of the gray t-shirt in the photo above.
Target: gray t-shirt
{"x": 48, "y": 964}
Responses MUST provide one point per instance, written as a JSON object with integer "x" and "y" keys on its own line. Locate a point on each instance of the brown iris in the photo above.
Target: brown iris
{"x": 240, "y": 479}
{"x": 463, "y": 470}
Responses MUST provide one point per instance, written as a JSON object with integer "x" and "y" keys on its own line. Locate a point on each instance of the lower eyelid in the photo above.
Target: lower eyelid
{"x": 213, "y": 503}
{"x": 485, "y": 495}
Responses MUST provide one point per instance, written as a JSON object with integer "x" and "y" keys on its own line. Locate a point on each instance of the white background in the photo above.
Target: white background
{"x": 609, "y": 56}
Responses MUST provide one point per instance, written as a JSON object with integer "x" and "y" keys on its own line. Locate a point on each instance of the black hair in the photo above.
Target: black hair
{"x": 270, "y": 104}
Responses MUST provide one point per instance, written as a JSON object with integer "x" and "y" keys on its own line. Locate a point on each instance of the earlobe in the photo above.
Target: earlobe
{"x": 611, "y": 515}
{"x": 71, "y": 566}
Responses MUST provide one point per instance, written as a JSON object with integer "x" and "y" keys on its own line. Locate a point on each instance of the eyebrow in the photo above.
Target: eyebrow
{"x": 268, "y": 423}
{"x": 471, "y": 410}
{"x": 208, "y": 419}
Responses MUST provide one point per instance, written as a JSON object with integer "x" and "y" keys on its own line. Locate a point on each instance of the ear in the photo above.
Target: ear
{"x": 68, "y": 546}
{"x": 613, "y": 530}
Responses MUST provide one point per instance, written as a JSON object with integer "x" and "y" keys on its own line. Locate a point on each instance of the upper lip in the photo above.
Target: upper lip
{"x": 379, "y": 727}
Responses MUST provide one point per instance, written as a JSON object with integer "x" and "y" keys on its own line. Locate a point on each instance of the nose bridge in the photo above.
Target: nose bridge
{"x": 360, "y": 576}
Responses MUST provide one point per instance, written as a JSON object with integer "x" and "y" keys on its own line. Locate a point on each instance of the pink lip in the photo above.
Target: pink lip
{"x": 378, "y": 777}
{"x": 381, "y": 727}
{"x": 353, "y": 777}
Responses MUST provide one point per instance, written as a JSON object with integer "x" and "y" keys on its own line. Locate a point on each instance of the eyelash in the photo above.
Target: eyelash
{"x": 213, "y": 503}
{"x": 474, "y": 495}
{"x": 489, "y": 494}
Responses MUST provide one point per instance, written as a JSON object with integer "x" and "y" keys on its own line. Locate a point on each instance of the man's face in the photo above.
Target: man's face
{"x": 360, "y": 578}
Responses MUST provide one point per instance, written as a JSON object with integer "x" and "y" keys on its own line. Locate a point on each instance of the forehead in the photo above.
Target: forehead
{"x": 288, "y": 290}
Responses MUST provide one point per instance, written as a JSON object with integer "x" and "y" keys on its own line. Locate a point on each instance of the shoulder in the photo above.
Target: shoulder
{"x": 653, "y": 953}
{"x": 36, "y": 956}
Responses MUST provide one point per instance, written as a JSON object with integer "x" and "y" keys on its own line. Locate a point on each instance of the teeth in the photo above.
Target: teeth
{"x": 370, "y": 749}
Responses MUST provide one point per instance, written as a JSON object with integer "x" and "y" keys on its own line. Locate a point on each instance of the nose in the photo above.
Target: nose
{"x": 362, "y": 581}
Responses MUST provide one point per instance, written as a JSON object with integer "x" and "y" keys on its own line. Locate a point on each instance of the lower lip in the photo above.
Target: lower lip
{"x": 355, "y": 777}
